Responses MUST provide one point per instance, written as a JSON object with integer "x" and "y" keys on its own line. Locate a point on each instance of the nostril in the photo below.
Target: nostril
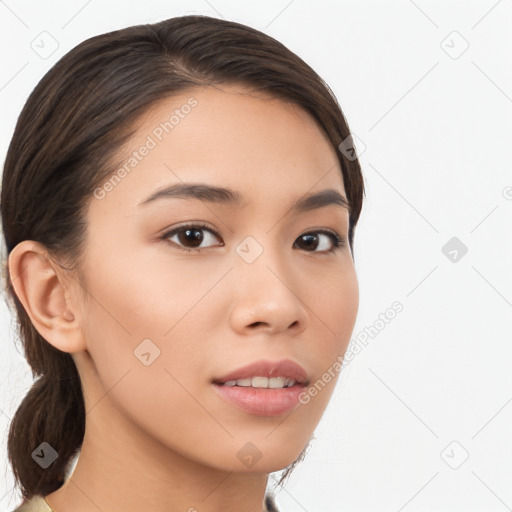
{"x": 255, "y": 324}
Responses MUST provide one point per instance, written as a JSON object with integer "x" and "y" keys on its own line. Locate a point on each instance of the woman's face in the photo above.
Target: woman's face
{"x": 171, "y": 310}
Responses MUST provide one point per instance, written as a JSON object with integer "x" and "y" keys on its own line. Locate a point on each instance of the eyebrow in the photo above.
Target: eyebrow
{"x": 221, "y": 195}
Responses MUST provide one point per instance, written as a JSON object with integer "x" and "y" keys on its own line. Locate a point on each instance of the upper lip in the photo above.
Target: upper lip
{"x": 264, "y": 368}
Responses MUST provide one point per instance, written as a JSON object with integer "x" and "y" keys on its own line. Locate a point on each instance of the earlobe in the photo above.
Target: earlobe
{"x": 39, "y": 284}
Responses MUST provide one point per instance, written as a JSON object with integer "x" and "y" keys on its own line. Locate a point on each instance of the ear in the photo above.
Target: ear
{"x": 40, "y": 285}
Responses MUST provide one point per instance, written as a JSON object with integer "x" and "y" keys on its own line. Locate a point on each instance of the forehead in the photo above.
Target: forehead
{"x": 228, "y": 136}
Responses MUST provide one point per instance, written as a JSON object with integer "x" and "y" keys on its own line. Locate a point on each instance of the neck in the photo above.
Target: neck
{"x": 122, "y": 467}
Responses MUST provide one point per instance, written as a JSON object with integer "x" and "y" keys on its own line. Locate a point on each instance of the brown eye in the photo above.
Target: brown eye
{"x": 190, "y": 237}
{"x": 312, "y": 241}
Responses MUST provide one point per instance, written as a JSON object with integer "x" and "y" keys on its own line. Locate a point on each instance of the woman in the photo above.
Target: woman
{"x": 179, "y": 223}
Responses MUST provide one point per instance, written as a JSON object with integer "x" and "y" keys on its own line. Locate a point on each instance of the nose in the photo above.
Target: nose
{"x": 267, "y": 297}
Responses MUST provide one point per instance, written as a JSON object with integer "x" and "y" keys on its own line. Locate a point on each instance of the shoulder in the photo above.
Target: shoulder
{"x": 35, "y": 504}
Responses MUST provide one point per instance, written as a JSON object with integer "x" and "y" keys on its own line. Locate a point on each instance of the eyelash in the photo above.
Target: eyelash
{"x": 338, "y": 241}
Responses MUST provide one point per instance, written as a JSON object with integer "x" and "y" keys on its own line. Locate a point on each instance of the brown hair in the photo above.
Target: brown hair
{"x": 77, "y": 117}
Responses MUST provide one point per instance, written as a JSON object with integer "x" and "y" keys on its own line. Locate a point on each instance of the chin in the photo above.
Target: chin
{"x": 267, "y": 454}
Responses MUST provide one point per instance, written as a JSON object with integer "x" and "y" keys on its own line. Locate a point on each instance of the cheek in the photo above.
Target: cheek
{"x": 333, "y": 303}
{"x": 333, "y": 312}
{"x": 152, "y": 311}
{"x": 164, "y": 317}
{"x": 139, "y": 297}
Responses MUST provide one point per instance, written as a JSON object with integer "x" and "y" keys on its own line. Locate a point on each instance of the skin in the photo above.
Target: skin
{"x": 158, "y": 435}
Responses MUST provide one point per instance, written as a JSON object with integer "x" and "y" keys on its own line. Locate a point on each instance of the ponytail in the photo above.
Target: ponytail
{"x": 52, "y": 412}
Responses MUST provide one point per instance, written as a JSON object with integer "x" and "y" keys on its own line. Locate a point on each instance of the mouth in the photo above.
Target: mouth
{"x": 266, "y": 374}
{"x": 260, "y": 382}
{"x": 263, "y": 388}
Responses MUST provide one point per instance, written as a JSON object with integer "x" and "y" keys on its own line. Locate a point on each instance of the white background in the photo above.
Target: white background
{"x": 434, "y": 386}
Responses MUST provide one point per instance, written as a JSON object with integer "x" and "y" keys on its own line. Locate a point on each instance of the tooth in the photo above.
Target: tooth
{"x": 230, "y": 383}
{"x": 243, "y": 382}
{"x": 276, "y": 382}
{"x": 290, "y": 383}
{"x": 260, "y": 382}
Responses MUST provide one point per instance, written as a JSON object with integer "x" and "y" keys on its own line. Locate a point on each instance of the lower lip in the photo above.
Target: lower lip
{"x": 261, "y": 401}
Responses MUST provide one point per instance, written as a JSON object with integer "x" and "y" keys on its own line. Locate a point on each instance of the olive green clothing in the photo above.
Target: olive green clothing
{"x": 38, "y": 504}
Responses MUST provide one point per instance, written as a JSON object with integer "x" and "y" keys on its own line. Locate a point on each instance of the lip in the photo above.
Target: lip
{"x": 264, "y": 368}
{"x": 263, "y": 401}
